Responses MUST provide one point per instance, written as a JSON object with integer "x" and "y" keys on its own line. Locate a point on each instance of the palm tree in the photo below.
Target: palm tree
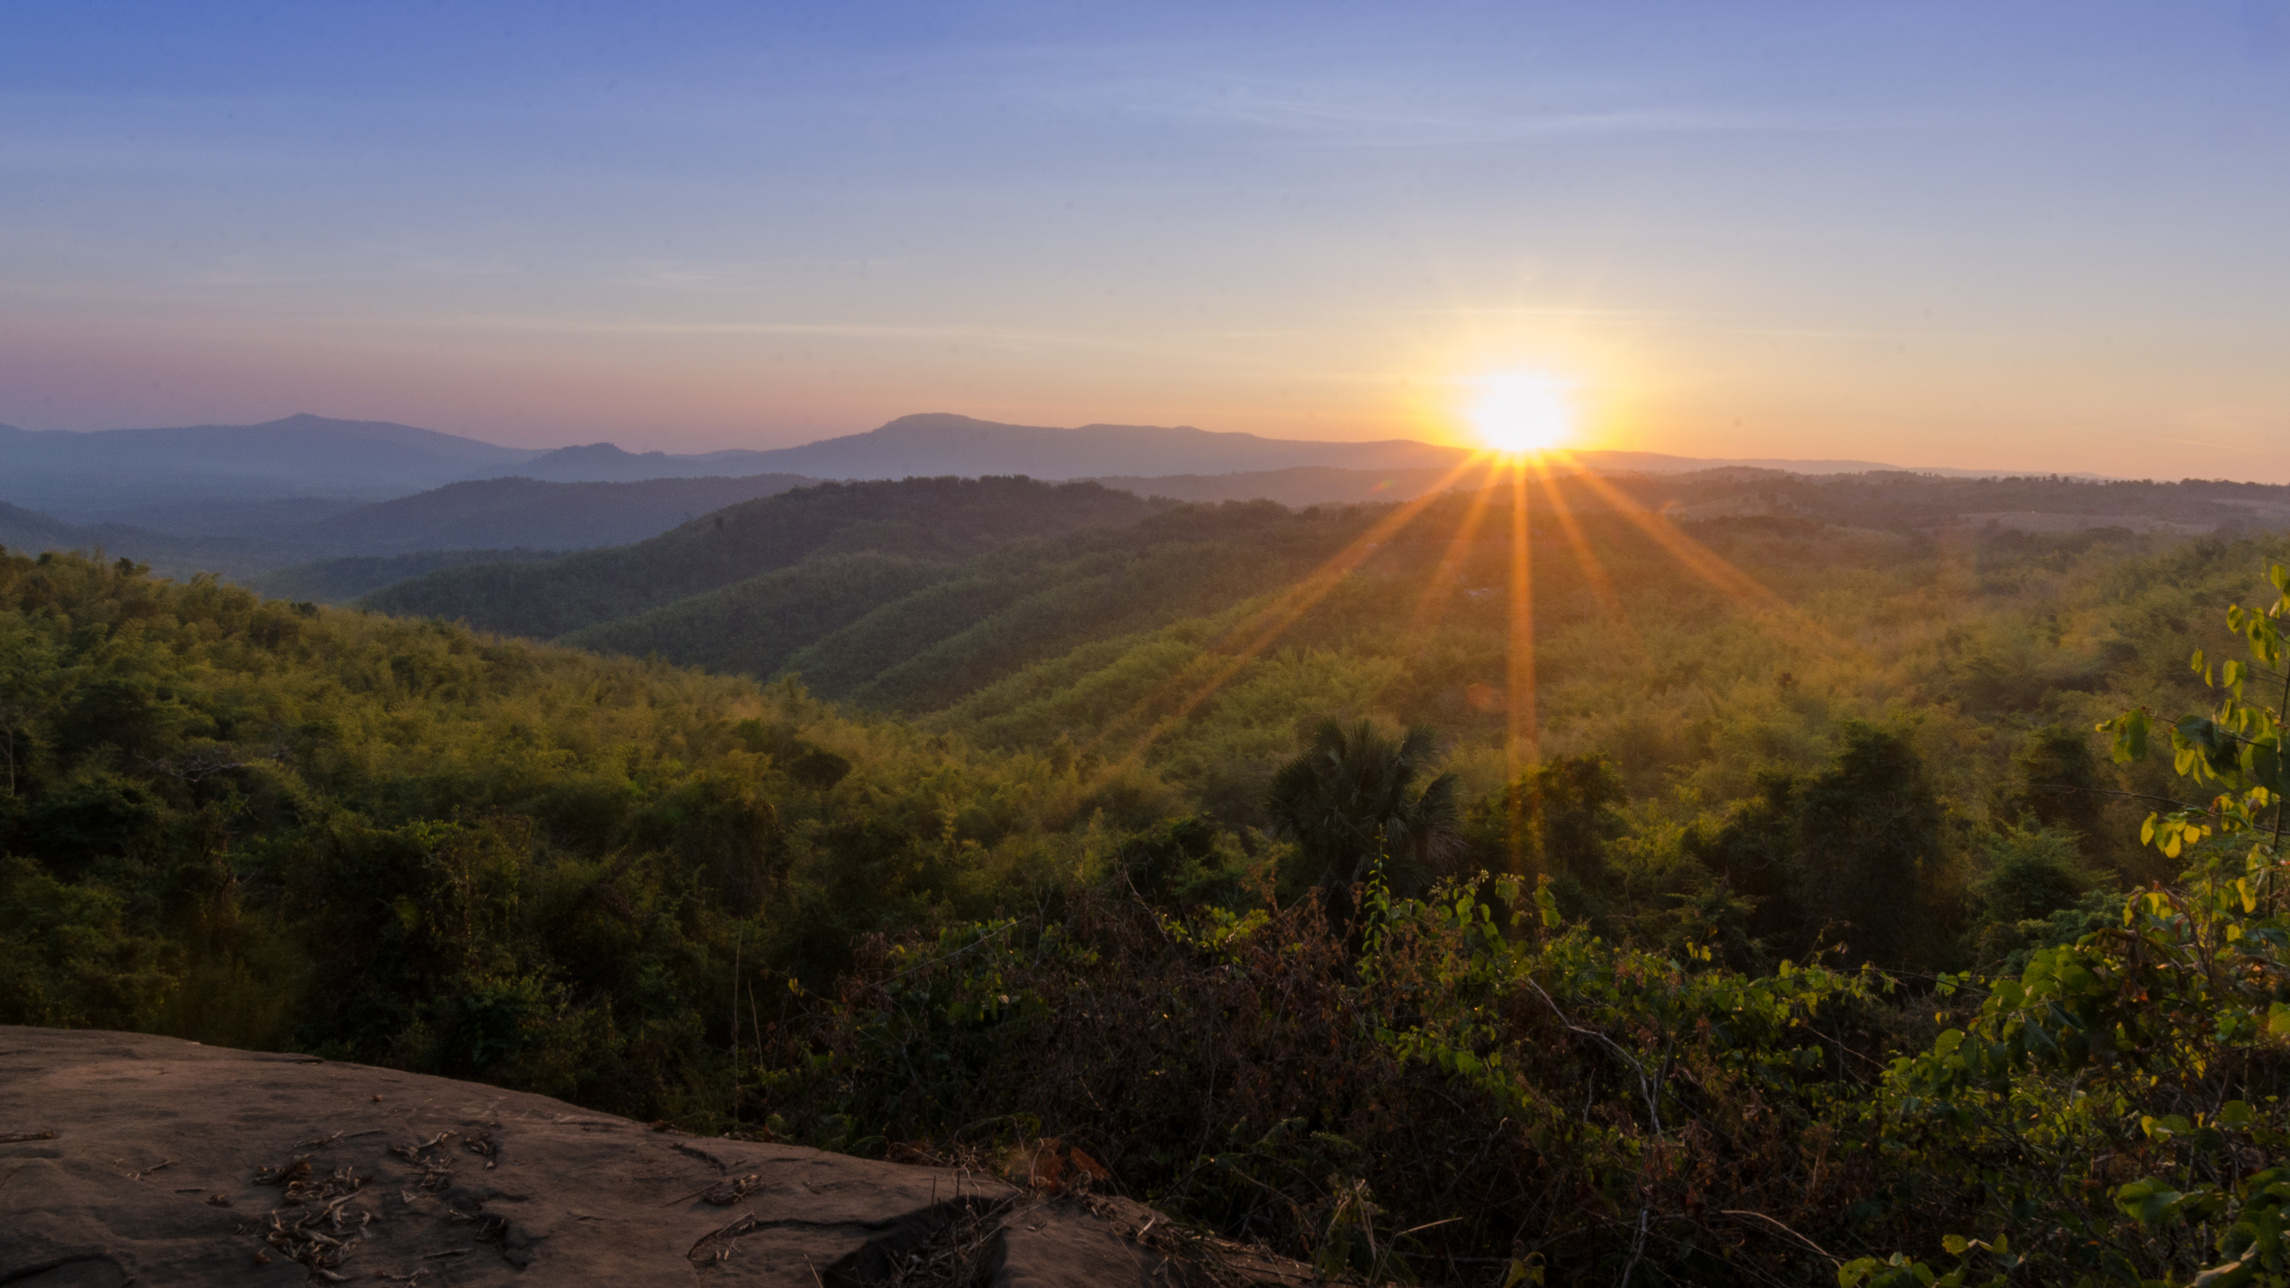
{"x": 1350, "y": 799}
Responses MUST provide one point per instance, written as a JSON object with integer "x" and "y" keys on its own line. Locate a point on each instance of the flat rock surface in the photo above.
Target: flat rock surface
{"x": 127, "y": 1159}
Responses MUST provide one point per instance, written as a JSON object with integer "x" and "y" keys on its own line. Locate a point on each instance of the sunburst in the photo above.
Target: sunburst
{"x": 1525, "y": 419}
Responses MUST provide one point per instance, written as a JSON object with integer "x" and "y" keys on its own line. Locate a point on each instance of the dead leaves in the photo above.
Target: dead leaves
{"x": 430, "y": 1156}
{"x": 731, "y": 1189}
{"x": 1049, "y": 1166}
{"x": 283, "y": 1174}
{"x": 327, "y": 1227}
{"x": 481, "y": 1144}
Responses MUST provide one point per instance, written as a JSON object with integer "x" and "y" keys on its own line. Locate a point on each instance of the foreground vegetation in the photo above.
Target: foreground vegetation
{"x": 1820, "y": 944}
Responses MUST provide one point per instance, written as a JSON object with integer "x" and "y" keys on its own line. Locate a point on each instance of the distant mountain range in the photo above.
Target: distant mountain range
{"x": 244, "y": 538}
{"x": 358, "y": 504}
{"x": 246, "y": 480}
{"x": 938, "y": 443}
{"x": 112, "y": 474}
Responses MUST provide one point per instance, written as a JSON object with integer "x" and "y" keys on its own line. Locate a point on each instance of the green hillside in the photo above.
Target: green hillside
{"x": 927, "y": 623}
{"x": 935, "y": 519}
{"x": 1839, "y": 883}
{"x": 1089, "y": 639}
{"x": 899, "y": 634}
{"x": 335, "y": 581}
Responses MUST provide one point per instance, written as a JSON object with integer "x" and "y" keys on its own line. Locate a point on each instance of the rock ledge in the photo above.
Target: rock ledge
{"x": 129, "y": 1159}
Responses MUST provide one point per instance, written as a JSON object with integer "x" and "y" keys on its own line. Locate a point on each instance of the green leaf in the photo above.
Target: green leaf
{"x": 2130, "y": 729}
{"x": 2147, "y": 1201}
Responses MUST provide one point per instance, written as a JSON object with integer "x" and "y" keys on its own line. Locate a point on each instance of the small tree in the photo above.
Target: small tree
{"x": 1351, "y": 799}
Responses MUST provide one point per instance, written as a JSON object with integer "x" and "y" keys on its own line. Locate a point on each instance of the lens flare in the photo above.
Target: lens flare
{"x": 1523, "y": 411}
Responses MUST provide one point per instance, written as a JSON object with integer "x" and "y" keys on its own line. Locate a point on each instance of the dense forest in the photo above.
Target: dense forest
{"x": 1817, "y": 932}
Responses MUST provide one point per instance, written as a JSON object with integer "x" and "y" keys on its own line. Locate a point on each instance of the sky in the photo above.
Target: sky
{"x": 2026, "y": 235}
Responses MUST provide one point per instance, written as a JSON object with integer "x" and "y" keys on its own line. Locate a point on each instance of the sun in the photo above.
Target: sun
{"x": 1523, "y": 411}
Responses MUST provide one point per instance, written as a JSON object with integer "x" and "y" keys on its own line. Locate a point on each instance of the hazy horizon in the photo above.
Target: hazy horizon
{"x": 1584, "y": 450}
{"x": 2044, "y": 239}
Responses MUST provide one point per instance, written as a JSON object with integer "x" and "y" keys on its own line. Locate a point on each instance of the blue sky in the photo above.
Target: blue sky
{"x": 2026, "y": 235}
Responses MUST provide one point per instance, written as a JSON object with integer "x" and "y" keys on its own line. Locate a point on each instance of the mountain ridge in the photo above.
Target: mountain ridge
{"x": 136, "y": 475}
{"x": 110, "y": 474}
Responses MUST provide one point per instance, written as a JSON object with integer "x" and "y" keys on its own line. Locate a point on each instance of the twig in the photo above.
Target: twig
{"x": 1784, "y": 1229}
{"x": 324, "y": 1141}
{"x": 1637, "y": 1249}
{"x": 1645, "y": 1087}
{"x": 728, "y": 1230}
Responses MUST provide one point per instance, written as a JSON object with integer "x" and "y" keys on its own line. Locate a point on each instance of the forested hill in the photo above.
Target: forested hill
{"x": 527, "y": 513}
{"x": 1905, "y": 502}
{"x": 938, "y": 520}
{"x": 1194, "y": 900}
{"x": 901, "y": 634}
{"x": 1058, "y": 631}
{"x": 24, "y": 529}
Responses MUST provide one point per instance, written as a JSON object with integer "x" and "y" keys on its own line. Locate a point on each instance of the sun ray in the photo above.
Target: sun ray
{"x": 1520, "y": 734}
{"x": 1269, "y": 623}
{"x": 1593, "y": 569}
{"x": 1714, "y": 569}
{"x": 1444, "y": 579}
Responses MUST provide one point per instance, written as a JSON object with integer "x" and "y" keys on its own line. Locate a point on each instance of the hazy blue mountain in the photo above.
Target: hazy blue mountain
{"x": 24, "y": 529}
{"x": 246, "y": 540}
{"x": 938, "y": 444}
{"x": 606, "y": 463}
{"x": 112, "y": 474}
{"x": 266, "y": 518}
{"x": 170, "y": 556}
{"x": 273, "y": 480}
{"x": 1171, "y": 461}
{"x": 511, "y": 513}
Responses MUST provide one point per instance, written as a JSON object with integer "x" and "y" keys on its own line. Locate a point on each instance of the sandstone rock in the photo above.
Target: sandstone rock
{"x": 128, "y": 1159}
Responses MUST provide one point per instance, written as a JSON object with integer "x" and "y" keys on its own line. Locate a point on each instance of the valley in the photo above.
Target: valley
{"x": 1274, "y": 855}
